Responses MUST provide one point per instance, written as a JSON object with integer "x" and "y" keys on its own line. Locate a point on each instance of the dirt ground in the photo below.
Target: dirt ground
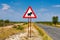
{"x": 24, "y": 35}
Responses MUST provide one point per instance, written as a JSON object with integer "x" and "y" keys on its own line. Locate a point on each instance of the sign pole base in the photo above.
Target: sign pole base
{"x": 29, "y": 27}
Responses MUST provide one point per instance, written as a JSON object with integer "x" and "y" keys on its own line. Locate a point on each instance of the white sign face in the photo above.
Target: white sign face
{"x": 29, "y": 13}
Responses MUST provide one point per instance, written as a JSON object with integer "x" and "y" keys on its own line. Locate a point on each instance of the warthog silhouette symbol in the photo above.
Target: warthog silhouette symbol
{"x": 29, "y": 14}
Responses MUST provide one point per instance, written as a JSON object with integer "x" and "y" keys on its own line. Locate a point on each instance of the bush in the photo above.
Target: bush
{"x": 7, "y": 21}
{"x": 45, "y": 38}
{"x": 14, "y": 26}
{"x": 20, "y": 27}
{"x": 1, "y": 24}
{"x": 25, "y": 23}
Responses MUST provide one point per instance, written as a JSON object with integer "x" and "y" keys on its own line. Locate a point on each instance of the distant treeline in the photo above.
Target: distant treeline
{"x": 5, "y": 23}
{"x": 8, "y": 22}
{"x": 54, "y": 21}
{"x": 46, "y": 22}
{"x": 43, "y": 21}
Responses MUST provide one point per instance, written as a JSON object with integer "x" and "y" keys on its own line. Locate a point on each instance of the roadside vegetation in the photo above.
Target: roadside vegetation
{"x": 8, "y": 22}
{"x": 43, "y": 33}
{"x": 5, "y": 23}
{"x": 54, "y": 22}
{"x": 18, "y": 27}
{"x": 6, "y": 32}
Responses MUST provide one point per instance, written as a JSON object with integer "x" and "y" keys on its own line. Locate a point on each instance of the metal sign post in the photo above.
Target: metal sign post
{"x": 29, "y": 27}
{"x": 29, "y": 14}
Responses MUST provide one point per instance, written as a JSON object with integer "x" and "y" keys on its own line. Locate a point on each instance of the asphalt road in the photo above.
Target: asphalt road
{"x": 53, "y": 32}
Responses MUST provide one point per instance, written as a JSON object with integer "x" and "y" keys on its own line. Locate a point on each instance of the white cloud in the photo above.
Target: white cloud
{"x": 10, "y": 14}
{"x": 56, "y": 6}
{"x": 5, "y": 6}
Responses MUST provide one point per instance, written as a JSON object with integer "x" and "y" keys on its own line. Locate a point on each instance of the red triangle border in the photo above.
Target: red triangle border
{"x": 32, "y": 12}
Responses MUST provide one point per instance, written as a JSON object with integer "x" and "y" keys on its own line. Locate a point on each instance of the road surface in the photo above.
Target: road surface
{"x": 53, "y": 32}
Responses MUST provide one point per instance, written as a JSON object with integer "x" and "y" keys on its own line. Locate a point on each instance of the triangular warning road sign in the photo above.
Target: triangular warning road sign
{"x": 29, "y": 13}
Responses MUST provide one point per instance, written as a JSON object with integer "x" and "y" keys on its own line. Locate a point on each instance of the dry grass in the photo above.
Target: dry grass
{"x": 5, "y": 32}
{"x": 43, "y": 33}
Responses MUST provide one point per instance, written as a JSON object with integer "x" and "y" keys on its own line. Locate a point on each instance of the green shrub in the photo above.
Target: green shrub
{"x": 45, "y": 38}
{"x": 25, "y": 23}
{"x": 1, "y": 24}
{"x": 41, "y": 33}
{"x": 20, "y": 27}
{"x": 14, "y": 26}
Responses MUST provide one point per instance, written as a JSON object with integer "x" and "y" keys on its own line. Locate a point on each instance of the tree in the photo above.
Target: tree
{"x": 55, "y": 20}
{"x": 7, "y": 21}
{"x": 1, "y": 20}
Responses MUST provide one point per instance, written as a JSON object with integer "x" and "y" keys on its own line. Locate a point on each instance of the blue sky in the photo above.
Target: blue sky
{"x": 44, "y": 9}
